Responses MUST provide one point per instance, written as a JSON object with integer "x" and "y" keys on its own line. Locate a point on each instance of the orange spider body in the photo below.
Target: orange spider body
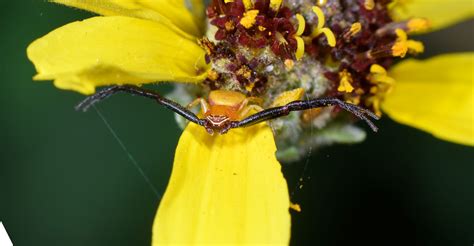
{"x": 225, "y": 103}
{"x": 223, "y": 106}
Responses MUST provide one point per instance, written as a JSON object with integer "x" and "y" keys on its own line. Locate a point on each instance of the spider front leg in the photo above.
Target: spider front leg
{"x": 134, "y": 90}
{"x": 276, "y": 112}
{"x": 245, "y": 107}
{"x": 204, "y": 105}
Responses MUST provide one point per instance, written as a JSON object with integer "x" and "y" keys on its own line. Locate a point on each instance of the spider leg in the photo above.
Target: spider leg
{"x": 134, "y": 90}
{"x": 272, "y": 113}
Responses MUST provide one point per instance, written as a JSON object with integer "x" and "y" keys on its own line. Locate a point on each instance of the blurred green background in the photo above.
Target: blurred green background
{"x": 64, "y": 180}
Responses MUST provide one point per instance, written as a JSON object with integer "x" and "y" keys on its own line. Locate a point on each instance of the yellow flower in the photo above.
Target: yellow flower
{"x": 436, "y": 95}
{"x": 225, "y": 188}
{"x": 229, "y": 188}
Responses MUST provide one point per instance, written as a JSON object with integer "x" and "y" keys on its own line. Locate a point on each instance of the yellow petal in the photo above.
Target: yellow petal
{"x": 435, "y": 96}
{"x": 441, "y": 13}
{"x": 115, "y": 50}
{"x": 288, "y": 96}
{"x": 197, "y": 8}
{"x": 225, "y": 190}
{"x": 163, "y": 11}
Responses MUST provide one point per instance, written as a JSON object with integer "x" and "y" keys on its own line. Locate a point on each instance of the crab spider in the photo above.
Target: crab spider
{"x": 224, "y": 110}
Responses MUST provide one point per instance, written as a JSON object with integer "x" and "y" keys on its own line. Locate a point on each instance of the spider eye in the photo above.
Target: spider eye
{"x": 209, "y": 130}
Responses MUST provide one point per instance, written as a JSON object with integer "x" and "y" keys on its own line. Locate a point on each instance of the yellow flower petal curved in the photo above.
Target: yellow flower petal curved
{"x": 163, "y": 11}
{"x": 441, "y": 13}
{"x": 228, "y": 191}
{"x": 436, "y": 96}
{"x": 288, "y": 96}
{"x": 198, "y": 9}
{"x": 115, "y": 50}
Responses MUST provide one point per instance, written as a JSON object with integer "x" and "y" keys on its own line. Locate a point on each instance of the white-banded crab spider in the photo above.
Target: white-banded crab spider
{"x": 224, "y": 109}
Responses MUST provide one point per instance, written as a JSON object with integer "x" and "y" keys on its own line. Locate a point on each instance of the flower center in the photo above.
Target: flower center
{"x": 333, "y": 48}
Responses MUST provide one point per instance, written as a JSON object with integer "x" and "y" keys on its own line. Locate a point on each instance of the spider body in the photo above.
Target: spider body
{"x": 223, "y": 107}
{"x": 224, "y": 110}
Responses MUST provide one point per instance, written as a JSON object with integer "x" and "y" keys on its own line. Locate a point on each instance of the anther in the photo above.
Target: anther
{"x": 399, "y": 48}
{"x": 402, "y": 45}
{"x": 382, "y": 85}
{"x": 352, "y": 31}
{"x": 320, "y": 29}
{"x": 229, "y": 25}
{"x": 299, "y": 47}
{"x": 369, "y": 4}
{"x": 414, "y": 25}
{"x": 289, "y": 64}
{"x": 212, "y": 75}
{"x": 415, "y": 47}
{"x": 249, "y": 18}
{"x": 301, "y": 24}
{"x": 378, "y": 74}
{"x": 299, "y": 41}
{"x": 322, "y": 2}
{"x": 345, "y": 82}
{"x": 248, "y": 4}
{"x": 275, "y": 4}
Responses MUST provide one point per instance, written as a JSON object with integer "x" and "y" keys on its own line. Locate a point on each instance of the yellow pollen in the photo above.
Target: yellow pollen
{"x": 250, "y": 86}
{"x": 289, "y": 64}
{"x": 378, "y": 74}
{"x": 249, "y": 18}
{"x": 275, "y": 4}
{"x": 212, "y": 75}
{"x": 244, "y": 71}
{"x": 229, "y": 26}
{"x": 418, "y": 25}
{"x": 400, "y": 47}
{"x": 374, "y": 101}
{"x": 355, "y": 28}
{"x": 345, "y": 83}
{"x": 261, "y": 28}
{"x": 382, "y": 85}
{"x": 322, "y": 2}
{"x": 376, "y": 68}
{"x": 247, "y": 4}
{"x": 296, "y": 207}
{"x": 373, "y": 89}
{"x": 228, "y": 1}
{"x": 415, "y": 47}
{"x": 352, "y": 99}
{"x": 369, "y": 4}
{"x": 401, "y": 35}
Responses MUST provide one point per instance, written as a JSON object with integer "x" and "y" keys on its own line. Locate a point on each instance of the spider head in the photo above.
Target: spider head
{"x": 217, "y": 123}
